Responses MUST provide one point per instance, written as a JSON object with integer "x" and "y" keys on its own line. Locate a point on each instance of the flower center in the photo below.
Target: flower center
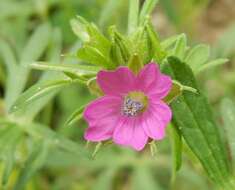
{"x": 134, "y": 103}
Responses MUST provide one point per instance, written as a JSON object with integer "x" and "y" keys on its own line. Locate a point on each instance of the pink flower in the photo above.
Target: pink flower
{"x": 132, "y": 110}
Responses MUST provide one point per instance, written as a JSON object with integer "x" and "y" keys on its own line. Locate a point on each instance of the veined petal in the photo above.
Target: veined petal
{"x": 152, "y": 82}
{"x": 129, "y": 132}
{"x": 102, "y": 116}
{"x": 161, "y": 110}
{"x": 161, "y": 88}
{"x": 156, "y": 119}
{"x": 117, "y": 82}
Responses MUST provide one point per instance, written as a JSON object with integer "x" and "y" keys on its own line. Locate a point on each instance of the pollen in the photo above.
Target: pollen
{"x": 134, "y": 104}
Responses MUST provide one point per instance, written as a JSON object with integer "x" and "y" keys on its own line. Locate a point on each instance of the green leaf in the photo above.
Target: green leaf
{"x": 10, "y": 63}
{"x": 9, "y": 152}
{"x": 41, "y": 132}
{"x": 167, "y": 43}
{"x": 75, "y": 116}
{"x": 227, "y": 109}
{"x": 172, "y": 12}
{"x": 53, "y": 55}
{"x": 35, "y": 47}
{"x": 211, "y": 64}
{"x": 106, "y": 13}
{"x": 133, "y": 16}
{"x": 197, "y": 56}
{"x": 8, "y": 57}
{"x": 34, "y": 162}
{"x": 180, "y": 46}
{"x": 75, "y": 69}
{"x": 176, "y": 144}
{"x": 9, "y": 164}
{"x": 9, "y": 130}
{"x": 2, "y": 76}
{"x": 96, "y": 39}
{"x": 94, "y": 56}
{"x": 37, "y": 91}
{"x": 224, "y": 46}
{"x": 36, "y": 44}
{"x": 146, "y": 10}
{"x": 79, "y": 30}
{"x": 104, "y": 181}
{"x": 143, "y": 179}
{"x": 193, "y": 117}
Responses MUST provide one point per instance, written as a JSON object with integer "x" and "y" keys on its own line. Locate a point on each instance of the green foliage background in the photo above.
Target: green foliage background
{"x": 38, "y": 150}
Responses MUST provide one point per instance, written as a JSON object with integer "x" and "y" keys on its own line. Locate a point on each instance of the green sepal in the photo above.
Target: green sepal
{"x": 153, "y": 148}
{"x": 120, "y": 47}
{"x": 176, "y": 90}
{"x": 97, "y": 148}
{"x": 156, "y": 51}
{"x": 135, "y": 63}
{"x": 173, "y": 94}
{"x": 94, "y": 88}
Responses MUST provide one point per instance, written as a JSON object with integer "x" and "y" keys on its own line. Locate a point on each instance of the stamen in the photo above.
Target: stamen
{"x": 132, "y": 107}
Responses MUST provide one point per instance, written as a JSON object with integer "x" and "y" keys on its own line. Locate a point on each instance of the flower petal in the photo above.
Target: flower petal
{"x": 129, "y": 132}
{"x": 102, "y": 115}
{"x": 151, "y": 81}
{"x": 161, "y": 110}
{"x": 161, "y": 88}
{"x": 155, "y": 120}
{"x": 117, "y": 82}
